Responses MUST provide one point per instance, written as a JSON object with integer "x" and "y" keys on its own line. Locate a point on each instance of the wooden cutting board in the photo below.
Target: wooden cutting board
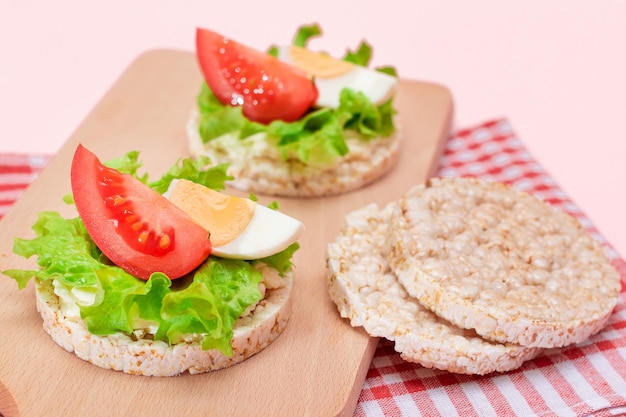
{"x": 316, "y": 367}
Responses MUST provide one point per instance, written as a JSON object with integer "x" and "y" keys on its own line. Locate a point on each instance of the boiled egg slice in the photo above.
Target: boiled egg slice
{"x": 332, "y": 75}
{"x": 239, "y": 228}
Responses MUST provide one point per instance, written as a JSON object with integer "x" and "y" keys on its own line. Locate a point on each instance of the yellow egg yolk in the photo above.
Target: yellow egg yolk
{"x": 318, "y": 64}
{"x": 225, "y": 217}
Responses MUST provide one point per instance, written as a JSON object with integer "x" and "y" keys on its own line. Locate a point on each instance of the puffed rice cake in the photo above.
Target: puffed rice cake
{"x": 487, "y": 257}
{"x": 258, "y": 166}
{"x": 148, "y": 357}
{"x": 367, "y": 292}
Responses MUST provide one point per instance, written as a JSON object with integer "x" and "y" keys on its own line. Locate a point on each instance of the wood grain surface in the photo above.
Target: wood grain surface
{"x": 316, "y": 367}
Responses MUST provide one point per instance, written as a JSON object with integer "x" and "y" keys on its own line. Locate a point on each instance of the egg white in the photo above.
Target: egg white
{"x": 268, "y": 232}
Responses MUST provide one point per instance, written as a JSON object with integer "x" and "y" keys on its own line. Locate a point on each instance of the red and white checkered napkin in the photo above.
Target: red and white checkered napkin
{"x": 17, "y": 171}
{"x": 584, "y": 379}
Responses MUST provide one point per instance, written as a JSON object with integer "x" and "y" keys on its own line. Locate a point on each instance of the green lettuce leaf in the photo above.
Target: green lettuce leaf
{"x": 64, "y": 251}
{"x": 110, "y": 315}
{"x": 128, "y": 164}
{"x": 281, "y": 261}
{"x": 306, "y": 32}
{"x": 196, "y": 170}
{"x": 361, "y": 56}
{"x": 302, "y": 36}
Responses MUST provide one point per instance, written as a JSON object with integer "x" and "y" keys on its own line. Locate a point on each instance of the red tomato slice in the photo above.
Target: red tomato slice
{"x": 267, "y": 88}
{"x": 135, "y": 227}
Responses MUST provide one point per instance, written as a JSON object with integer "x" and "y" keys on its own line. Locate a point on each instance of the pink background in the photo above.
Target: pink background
{"x": 555, "y": 69}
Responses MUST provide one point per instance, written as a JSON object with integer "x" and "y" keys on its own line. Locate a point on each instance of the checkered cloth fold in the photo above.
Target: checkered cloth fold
{"x": 587, "y": 379}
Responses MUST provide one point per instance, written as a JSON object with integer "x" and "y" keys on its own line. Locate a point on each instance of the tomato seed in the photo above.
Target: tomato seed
{"x": 143, "y": 237}
{"x": 132, "y": 218}
{"x": 164, "y": 242}
{"x": 137, "y": 226}
{"x": 118, "y": 200}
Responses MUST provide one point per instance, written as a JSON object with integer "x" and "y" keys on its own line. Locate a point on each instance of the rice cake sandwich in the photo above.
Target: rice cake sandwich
{"x": 502, "y": 262}
{"x": 292, "y": 121}
{"x": 160, "y": 278}
{"x": 368, "y": 293}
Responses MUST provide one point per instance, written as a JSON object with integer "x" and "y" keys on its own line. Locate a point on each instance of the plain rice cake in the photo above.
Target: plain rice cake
{"x": 488, "y": 257}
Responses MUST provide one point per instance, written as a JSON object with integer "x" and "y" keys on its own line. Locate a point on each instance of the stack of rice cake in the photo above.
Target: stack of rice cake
{"x": 470, "y": 276}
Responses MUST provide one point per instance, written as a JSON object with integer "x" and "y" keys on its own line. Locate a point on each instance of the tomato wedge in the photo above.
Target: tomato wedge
{"x": 267, "y": 88}
{"x": 137, "y": 228}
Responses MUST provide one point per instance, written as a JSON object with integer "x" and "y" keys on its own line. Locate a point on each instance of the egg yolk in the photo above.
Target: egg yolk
{"x": 224, "y": 216}
{"x": 318, "y": 64}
